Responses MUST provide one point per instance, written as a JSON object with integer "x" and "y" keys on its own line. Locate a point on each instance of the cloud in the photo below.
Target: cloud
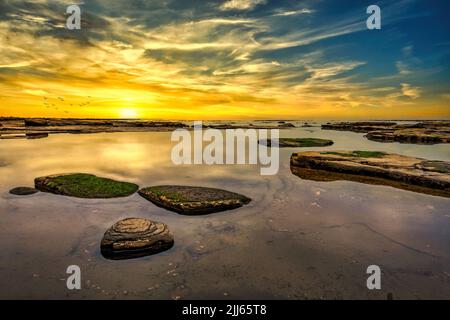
{"x": 241, "y": 4}
{"x": 403, "y": 68}
{"x": 410, "y": 92}
{"x": 196, "y": 58}
{"x": 293, "y": 12}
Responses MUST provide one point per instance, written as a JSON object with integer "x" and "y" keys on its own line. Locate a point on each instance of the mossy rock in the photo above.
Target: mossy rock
{"x": 134, "y": 238}
{"x": 359, "y": 154}
{"x": 190, "y": 200}
{"x": 83, "y": 185}
{"x": 299, "y": 142}
{"x": 378, "y": 168}
{"x": 23, "y": 191}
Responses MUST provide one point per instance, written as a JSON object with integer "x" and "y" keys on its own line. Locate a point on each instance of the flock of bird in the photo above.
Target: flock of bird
{"x": 63, "y": 104}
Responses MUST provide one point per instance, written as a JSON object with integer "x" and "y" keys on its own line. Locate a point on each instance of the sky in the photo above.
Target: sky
{"x": 225, "y": 59}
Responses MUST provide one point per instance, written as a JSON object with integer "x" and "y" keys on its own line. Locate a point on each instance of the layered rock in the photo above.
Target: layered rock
{"x": 33, "y": 128}
{"x": 415, "y": 174}
{"x": 426, "y": 132}
{"x": 135, "y": 237}
{"x": 286, "y": 125}
{"x": 362, "y": 126}
{"x": 298, "y": 142}
{"x": 193, "y": 200}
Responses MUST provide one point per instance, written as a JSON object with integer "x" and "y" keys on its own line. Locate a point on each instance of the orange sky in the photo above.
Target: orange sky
{"x": 213, "y": 67}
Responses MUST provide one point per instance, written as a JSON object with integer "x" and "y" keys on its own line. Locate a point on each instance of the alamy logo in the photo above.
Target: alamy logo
{"x": 74, "y": 280}
{"x": 374, "y": 280}
{"x": 374, "y": 20}
{"x": 73, "y": 22}
{"x": 228, "y": 147}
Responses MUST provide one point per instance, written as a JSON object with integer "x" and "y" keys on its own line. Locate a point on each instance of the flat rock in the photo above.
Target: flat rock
{"x": 190, "y": 200}
{"x": 361, "y": 126}
{"x": 23, "y": 191}
{"x": 83, "y": 185}
{"x": 373, "y": 167}
{"x": 134, "y": 238}
{"x": 286, "y": 125}
{"x": 426, "y": 132}
{"x": 298, "y": 142}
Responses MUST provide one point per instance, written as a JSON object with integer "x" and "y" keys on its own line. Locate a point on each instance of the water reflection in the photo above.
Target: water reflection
{"x": 296, "y": 239}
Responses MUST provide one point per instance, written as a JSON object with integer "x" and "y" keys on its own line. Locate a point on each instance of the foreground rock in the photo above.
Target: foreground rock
{"x": 23, "y": 191}
{"x": 298, "y": 142}
{"x": 193, "y": 200}
{"x": 134, "y": 238}
{"x": 83, "y": 185}
{"x": 427, "y": 132}
{"x": 372, "y": 167}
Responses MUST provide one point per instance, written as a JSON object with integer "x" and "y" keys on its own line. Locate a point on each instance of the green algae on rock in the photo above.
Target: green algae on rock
{"x": 373, "y": 167}
{"x": 191, "y": 200}
{"x": 83, "y": 185}
{"x": 299, "y": 142}
{"x": 134, "y": 238}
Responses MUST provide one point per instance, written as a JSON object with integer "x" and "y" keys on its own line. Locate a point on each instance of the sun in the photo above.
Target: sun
{"x": 128, "y": 113}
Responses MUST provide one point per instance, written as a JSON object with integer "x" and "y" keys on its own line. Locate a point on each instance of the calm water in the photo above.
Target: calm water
{"x": 297, "y": 239}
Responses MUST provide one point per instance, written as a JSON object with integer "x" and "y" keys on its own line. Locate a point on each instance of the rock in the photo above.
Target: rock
{"x": 19, "y": 128}
{"x": 23, "y": 191}
{"x": 193, "y": 200}
{"x": 298, "y": 142}
{"x": 83, "y": 185}
{"x": 411, "y": 135}
{"x": 286, "y": 125}
{"x": 35, "y": 122}
{"x": 36, "y": 135}
{"x": 134, "y": 238}
{"x": 364, "y": 126}
{"x": 374, "y": 167}
{"x": 427, "y": 132}
{"x": 10, "y": 136}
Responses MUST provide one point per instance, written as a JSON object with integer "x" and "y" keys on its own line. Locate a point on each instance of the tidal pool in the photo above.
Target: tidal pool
{"x": 297, "y": 239}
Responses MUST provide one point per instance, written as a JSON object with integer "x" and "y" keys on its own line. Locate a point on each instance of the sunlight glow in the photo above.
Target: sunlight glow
{"x": 128, "y": 113}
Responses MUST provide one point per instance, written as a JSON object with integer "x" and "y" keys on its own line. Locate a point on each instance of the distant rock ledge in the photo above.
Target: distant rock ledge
{"x": 298, "y": 142}
{"x": 426, "y": 132}
{"x": 36, "y": 128}
{"x": 373, "y": 167}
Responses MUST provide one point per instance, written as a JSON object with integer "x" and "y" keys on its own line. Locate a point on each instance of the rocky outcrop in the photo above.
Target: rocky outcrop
{"x": 83, "y": 185}
{"x": 135, "y": 237}
{"x": 426, "y": 132}
{"x": 415, "y": 174}
{"x": 412, "y": 135}
{"x": 286, "y": 125}
{"x": 33, "y": 128}
{"x": 363, "y": 126}
{"x": 193, "y": 200}
{"x": 298, "y": 142}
